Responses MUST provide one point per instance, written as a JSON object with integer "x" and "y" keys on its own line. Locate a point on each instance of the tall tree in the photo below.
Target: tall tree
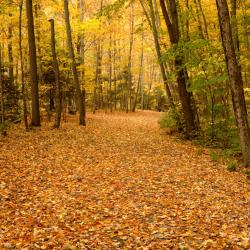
{"x": 25, "y": 112}
{"x": 35, "y": 119}
{"x": 1, "y": 87}
{"x": 234, "y": 77}
{"x": 79, "y": 93}
{"x": 170, "y": 15}
{"x": 152, "y": 23}
{"x": 56, "y": 72}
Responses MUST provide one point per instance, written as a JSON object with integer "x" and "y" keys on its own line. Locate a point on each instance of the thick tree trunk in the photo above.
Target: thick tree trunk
{"x": 234, "y": 77}
{"x": 188, "y": 105}
{"x": 35, "y": 119}
{"x": 57, "y": 76}
{"x": 79, "y": 93}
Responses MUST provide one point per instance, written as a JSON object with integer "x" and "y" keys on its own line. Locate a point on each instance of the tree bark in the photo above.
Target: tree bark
{"x": 234, "y": 78}
{"x": 80, "y": 95}
{"x": 152, "y": 23}
{"x": 188, "y": 105}
{"x": 25, "y": 111}
{"x": 57, "y": 76}
{"x": 35, "y": 119}
{"x": 1, "y": 87}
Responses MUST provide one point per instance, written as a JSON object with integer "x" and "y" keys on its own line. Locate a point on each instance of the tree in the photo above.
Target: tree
{"x": 57, "y": 78}
{"x": 80, "y": 96}
{"x": 235, "y": 78}
{"x": 25, "y": 112}
{"x": 152, "y": 23}
{"x": 35, "y": 119}
{"x": 188, "y": 106}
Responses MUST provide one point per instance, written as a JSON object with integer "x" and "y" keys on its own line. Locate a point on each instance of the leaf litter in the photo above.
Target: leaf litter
{"x": 119, "y": 183}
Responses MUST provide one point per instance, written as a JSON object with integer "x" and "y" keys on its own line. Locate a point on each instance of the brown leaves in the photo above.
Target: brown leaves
{"x": 119, "y": 183}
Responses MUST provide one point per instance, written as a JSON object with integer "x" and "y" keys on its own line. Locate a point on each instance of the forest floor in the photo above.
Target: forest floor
{"x": 119, "y": 183}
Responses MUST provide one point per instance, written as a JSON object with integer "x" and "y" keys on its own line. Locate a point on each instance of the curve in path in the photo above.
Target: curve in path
{"x": 119, "y": 183}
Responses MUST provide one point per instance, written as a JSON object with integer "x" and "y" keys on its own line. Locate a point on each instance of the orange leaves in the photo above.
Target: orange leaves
{"x": 119, "y": 183}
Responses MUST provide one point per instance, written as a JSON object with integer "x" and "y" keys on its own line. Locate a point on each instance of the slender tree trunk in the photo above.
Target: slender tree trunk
{"x": 234, "y": 77}
{"x": 82, "y": 53}
{"x": 37, "y": 9}
{"x": 1, "y": 87}
{"x": 110, "y": 74}
{"x": 131, "y": 43}
{"x": 57, "y": 76}
{"x": 35, "y": 119}
{"x": 79, "y": 93}
{"x": 204, "y": 20}
{"x": 10, "y": 52}
{"x": 152, "y": 23}
{"x": 140, "y": 78}
{"x": 115, "y": 75}
{"x": 25, "y": 111}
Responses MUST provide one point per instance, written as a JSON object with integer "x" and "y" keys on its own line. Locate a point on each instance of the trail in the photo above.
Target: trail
{"x": 119, "y": 183}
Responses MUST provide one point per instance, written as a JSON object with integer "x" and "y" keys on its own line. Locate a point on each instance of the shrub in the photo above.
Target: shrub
{"x": 247, "y": 172}
{"x": 171, "y": 121}
{"x": 232, "y": 166}
{"x": 213, "y": 155}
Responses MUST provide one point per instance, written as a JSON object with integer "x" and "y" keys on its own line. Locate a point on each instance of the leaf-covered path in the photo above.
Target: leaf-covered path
{"x": 119, "y": 183}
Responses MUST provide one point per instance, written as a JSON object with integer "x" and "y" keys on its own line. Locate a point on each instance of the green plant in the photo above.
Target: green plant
{"x": 232, "y": 166}
{"x": 171, "y": 120}
{"x": 213, "y": 155}
{"x": 247, "y": 172}
{"x": 3, "y": 128}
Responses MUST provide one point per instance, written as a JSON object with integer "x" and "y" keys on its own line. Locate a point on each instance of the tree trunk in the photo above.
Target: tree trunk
{"x": 57, "y": 76}
{"x": 152, "y": 23}
{"x": 234, "y": 78}
{"x": 25, "y": 112}
{"x": 1, "y": 87}
{"x": 188, "y": 105}
{"x": 35, "y": 119}
{"x": 79, "y": 93}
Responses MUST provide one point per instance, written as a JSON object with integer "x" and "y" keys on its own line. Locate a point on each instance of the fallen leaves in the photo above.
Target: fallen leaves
{"x": 119, "y": 183}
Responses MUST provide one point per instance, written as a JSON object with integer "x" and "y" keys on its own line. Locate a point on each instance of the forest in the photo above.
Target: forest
{"x": 124, "y": 124}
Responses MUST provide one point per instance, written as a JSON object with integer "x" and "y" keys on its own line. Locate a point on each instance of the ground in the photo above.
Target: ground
{"x": 119, "y": 183}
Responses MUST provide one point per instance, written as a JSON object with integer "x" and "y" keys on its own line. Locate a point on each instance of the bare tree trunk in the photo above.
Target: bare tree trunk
{"x": 204, "y": 20}
{"x": 35, "y": 119}
{"x": 140, "y": 78}
{"x": 57, "y": 76}
{"x": 1, "y": 88}
{"x": 110, "y": 74}
{"x": 80, "y": 96}
{"x": 82, "y": 54}
{"x": 10, "y": 51}
{"x": 25, "y": 112}
{"x": 234, "y": 77}
{"x": 131, "y": 43}
{"x": 152, "y": 23}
